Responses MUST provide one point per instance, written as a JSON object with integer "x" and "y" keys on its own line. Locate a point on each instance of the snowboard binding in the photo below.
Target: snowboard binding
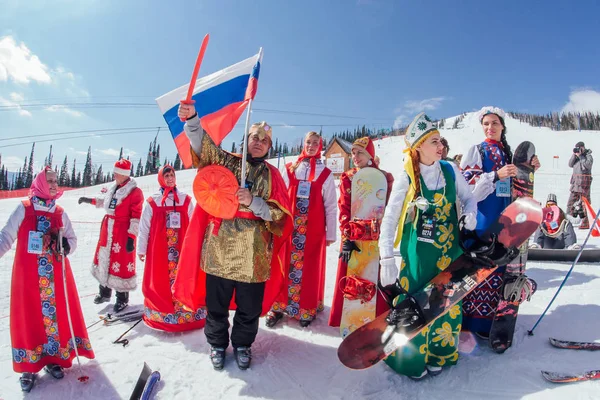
{"x": 406, "y": 315}
{"x": 518, "y": 288}
{"x": 485, "y": 253}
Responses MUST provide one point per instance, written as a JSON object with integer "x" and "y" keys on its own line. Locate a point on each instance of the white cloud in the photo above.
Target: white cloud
{"x": 65, "y": 109}
{"x": 14, "y": 105}
{"x": 18, "y": 63}
{"x": 583, "y": 100}
{"x": 411, "y": 107}
{"x": 109, "y": 152}
{"x": 12, "y": 163}
{"x": 415, "y": 106}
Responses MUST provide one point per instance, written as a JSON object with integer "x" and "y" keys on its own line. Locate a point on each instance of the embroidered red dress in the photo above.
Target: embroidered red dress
{"x": 39, "y": 327}
{"x": 161, "y": 240}
{"x": 306, "y": 250}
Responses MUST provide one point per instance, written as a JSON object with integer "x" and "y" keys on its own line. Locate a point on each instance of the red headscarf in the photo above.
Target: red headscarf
{"x": 40, "y": 188}
{"x": 313, "y": 159}
{"x": 163, "y": 184}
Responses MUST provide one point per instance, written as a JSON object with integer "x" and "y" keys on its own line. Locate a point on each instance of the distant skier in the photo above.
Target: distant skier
{"x": 114, "y": 261}
{"x": 581, "y": 181}
{"x": 39, "y": 327}
{"x": 556, "y": 231}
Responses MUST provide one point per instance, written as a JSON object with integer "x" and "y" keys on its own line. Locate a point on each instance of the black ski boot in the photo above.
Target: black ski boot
{"x": 55, "y": 370}
{"x": 243, "y": 356}
{"x": 103, "y": 296}
{"x": 217, "y": 357}
{"x": 272, "y": 318}
{"x": 27, "y": 380}
{"x": 122, "y": 301}
{"x": 305, "y": 322}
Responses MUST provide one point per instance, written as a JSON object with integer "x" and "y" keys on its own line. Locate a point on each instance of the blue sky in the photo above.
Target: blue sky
{"x": 344, "y": 63}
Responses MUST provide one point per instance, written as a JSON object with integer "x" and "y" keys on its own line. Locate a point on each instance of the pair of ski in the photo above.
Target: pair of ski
{"x": 559, "y": 377}
{"x": 145, "y": 384}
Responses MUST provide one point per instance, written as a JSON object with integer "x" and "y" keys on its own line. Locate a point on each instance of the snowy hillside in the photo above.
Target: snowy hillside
{"x": 295, "y": 363}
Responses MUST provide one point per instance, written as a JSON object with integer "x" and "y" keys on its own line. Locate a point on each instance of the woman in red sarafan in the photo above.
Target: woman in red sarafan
{"x": 162, "y": 228}
{"x": 39, "y": 326}
{"x": 363, "y": 155}
{"x": 312, "y": 194}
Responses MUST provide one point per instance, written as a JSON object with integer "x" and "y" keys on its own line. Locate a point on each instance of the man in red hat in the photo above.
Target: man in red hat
{"x": 114, "y": 260}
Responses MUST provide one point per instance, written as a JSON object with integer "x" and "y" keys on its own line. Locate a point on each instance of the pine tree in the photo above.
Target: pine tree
{"x": 88, "y": 170}
{"x": 99, "y": 176}
{"x": 29, "y": 176}
{"x": 131, "y": 170}
{"x": 49, "y": 161}
{"x": 73, "y": 182}
{"x": 177, "y": 163}
{"x": 78, "y": 179}
{"x": 140, "y": 169}
{"x": 120, "y": 154}
{"x": 148, "y": 161}
{"x": 63, "y": 179}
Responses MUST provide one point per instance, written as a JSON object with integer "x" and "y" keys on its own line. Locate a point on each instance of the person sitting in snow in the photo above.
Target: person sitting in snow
{"x": 39, "y": 324}
{"x": 556, "y": 231}
{"x": 235, "y": 262}
{"x": 114, "y": 260}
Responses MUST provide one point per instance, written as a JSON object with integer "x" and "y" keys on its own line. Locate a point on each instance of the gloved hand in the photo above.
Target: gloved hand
{"x": 534, "y": 246}
{"x": 389, "y": 271}
{"x": 66, "y": 246}
{"x": 574, "y": 246}
{"x": 470, "y": 221}
{"x": 347, "y": 248}
{"x": 130, "y": 247}
{"x": 85, "y": 200}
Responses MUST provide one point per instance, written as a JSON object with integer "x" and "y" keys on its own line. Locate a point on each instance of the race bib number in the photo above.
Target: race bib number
{"x": 113, "y": 204}
{"x": 303, "y": 190}
{"x": 35, "y": 242}
{"x": 426, "y": 229}
{"x": 174, "y": 220}
{"x": 553, "y": 225}
{"x": 503, "y": 188}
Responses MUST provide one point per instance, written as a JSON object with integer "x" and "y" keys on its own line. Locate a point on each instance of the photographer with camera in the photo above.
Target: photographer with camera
{"x": 581, "y": 181}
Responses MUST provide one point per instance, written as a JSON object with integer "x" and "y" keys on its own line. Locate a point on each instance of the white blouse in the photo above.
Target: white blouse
{"x": 434, "y": 180}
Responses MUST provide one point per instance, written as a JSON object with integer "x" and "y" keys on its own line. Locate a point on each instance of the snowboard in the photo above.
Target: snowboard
{"x": 145, "y": 383}
{"x": 560, "y": 377}
{"x": 369, "y": 191}
{"x": 566, "y": 344}
{"x": 505, "y": 317}
{"x": 376, "y": 340}
{"x": 587, "y": 255}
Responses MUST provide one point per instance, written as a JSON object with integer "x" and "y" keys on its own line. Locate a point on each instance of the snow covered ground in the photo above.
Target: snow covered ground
{"x": 295, "y": 363}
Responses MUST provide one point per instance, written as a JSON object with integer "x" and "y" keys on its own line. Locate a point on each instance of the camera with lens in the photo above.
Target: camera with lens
{"x": 577, "y": 150}
{"x": 578, "y": 210}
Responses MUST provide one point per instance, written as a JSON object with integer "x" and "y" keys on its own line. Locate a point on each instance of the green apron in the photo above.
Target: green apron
{"x": 436, "y": 345}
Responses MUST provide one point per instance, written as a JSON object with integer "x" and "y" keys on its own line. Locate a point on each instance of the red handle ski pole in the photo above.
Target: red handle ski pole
{"x": 188, "y": 99}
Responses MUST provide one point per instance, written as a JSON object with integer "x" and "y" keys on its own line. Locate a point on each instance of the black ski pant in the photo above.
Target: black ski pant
{"x": 248, "y": 298}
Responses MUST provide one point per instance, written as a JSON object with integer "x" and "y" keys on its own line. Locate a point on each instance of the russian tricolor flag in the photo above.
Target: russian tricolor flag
{"x": 220, "y": 99}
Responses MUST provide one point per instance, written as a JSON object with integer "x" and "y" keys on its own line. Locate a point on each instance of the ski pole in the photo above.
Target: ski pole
{"x": 530, "y": 332}
{"x": 83, "y": 377}
{"x": 125, "y": 342}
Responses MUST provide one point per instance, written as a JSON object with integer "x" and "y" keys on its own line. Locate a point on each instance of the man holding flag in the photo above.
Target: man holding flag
{"x": 241, "y": 255}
